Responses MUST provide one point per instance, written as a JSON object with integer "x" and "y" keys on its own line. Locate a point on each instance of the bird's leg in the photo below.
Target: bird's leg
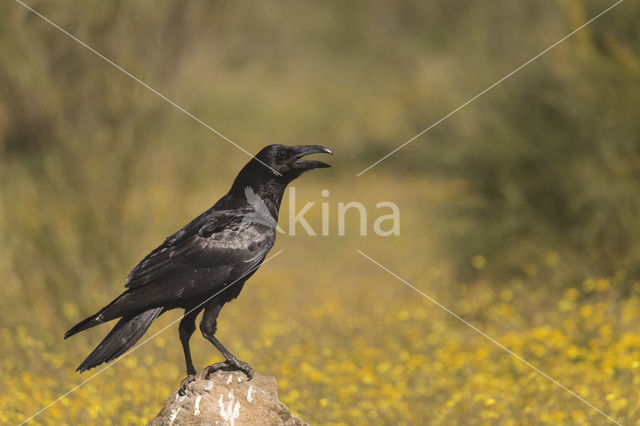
{"x": 230, "y": 363}
{"x": 186, "y": 329}
{"x": 208, "y": 328}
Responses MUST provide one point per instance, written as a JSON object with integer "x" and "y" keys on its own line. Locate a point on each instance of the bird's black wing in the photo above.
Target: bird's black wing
{"x": 211, "y": 241}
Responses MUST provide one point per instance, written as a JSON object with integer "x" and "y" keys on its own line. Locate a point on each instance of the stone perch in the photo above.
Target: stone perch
{"x": 227, "y": 398}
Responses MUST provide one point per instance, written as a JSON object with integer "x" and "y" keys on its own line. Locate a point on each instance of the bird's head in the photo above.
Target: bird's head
{"x": 279, "y": 165}
{"x": 273, "y": 168}
{"x": 287, "y": 160}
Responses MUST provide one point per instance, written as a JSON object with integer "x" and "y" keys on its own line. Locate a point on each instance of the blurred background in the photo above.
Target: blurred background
{"x": 520, "y": 213}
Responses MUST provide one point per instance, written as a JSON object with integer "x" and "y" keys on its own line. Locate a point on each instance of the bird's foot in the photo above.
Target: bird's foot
{"x": 230, "y": 365}
{"x": 185, "y": 383}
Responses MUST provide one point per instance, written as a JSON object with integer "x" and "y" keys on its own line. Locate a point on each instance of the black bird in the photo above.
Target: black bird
{"x": 205, "y": 264}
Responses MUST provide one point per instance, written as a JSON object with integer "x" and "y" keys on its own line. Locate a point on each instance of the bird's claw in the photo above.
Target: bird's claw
{"x": 185, "y": 383}
{"x": 230, "y": 365}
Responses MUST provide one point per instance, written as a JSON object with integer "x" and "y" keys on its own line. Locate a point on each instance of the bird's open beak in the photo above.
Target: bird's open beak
{"x": 304, "y": 150}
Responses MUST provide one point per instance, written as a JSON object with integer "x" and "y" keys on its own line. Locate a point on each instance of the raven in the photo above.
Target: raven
{"x": 205, "y": 264}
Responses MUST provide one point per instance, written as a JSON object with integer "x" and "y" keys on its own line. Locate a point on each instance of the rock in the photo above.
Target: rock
{"x": 227, "y": 398}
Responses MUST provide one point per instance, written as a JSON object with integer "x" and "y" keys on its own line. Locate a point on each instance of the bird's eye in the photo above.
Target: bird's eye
{"x": 282, "y": 154}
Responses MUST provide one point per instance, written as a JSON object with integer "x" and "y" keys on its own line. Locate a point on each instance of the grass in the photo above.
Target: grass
{"x": 349, "y": 343}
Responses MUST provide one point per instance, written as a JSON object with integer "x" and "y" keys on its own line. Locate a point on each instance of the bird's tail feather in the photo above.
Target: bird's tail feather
{"x": 123, "y": 336}
{"x": 110, "y": 312}
{"x": 92, "y": 321}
